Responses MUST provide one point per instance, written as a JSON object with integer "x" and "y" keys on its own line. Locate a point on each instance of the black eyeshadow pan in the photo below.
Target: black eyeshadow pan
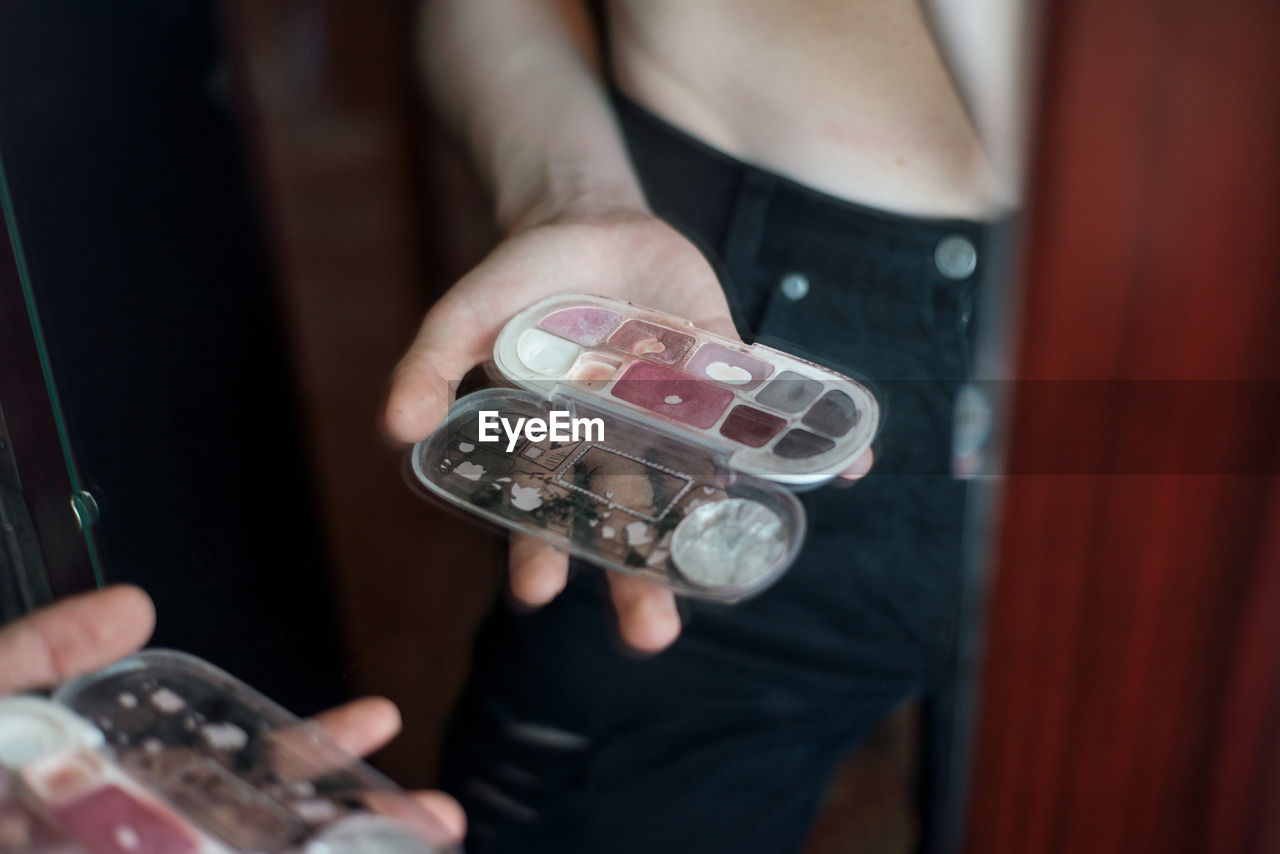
{"x": 834, "y": 414}
{"x": 789, "y": 392}
{"x": 799, "y": 444}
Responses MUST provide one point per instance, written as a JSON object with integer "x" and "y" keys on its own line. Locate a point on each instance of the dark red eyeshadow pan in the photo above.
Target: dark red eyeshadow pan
{"x": 835, "y": 413}
{"x": 751, "y": 427}
{"x": 96, "y": 820}
{"x": 672, "y": 394}
{"x": 799, "y": 444}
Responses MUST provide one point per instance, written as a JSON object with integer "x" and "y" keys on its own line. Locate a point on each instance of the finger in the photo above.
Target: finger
{"x": 362, "y": 726}
{"x": 538, "y": 572}
{"x": 446, "y": 810}
{"x": 74, "y": 636}
{"x": 434, "y": 816}
{"x": 860, "y": 467}
{"x": 647, "y": 616}
{"x": 450, "y": 342}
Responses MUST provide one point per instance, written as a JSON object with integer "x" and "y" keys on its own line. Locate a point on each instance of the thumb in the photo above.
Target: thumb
{"x": 449, "y": 343}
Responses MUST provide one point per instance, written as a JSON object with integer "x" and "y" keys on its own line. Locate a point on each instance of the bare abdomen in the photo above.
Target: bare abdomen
{"x": 850, "y": 98}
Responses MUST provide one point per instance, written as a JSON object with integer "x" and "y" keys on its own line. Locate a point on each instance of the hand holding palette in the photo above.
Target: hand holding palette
{"x": 698, "y": 432}
{"x": 164, "y": 754}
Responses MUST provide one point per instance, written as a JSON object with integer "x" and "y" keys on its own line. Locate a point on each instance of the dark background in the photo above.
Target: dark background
{"x": 134, "y": 207}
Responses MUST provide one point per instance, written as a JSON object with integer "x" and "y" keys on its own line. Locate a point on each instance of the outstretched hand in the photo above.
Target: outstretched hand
{"x": 83, "y": 633}
{"x": 628, "y": 255}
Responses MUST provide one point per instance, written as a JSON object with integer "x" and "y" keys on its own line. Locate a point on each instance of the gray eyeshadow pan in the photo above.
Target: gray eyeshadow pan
{"x": 789, "y": 392}
{"x": 834, "y": 414}
{"x": 799, "y": 444}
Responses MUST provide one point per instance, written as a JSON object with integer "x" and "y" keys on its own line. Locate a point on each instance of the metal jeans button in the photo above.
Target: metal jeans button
{"x": 956, "y": 257}
{"x": 794, "y": 286}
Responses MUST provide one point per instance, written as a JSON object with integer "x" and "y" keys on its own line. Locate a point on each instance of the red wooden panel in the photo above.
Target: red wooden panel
{"x": 1132, "y": 685}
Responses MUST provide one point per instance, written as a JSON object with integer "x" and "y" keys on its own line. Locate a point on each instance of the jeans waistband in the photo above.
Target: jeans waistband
{"x": 680, "y": 163}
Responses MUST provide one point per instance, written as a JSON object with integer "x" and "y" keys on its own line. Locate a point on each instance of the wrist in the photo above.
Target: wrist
{"x": 572, "y": 199}
{"x": 572, "y": 169}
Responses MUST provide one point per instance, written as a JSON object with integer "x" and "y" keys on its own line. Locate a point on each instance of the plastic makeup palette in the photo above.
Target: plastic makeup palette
{"x": 625, "y": 497}
{"x": 767, "y": 412}
{"x": 165, "y": 754}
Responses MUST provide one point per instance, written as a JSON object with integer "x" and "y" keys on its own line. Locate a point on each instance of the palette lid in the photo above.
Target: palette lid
{"x": 611, "y": 491}
{"x": 771, "y": 414}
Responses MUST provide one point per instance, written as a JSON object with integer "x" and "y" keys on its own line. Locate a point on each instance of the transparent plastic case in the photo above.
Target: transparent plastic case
{"x": 250, "y": 776}
{"x": 769, "y": 413}
{"x": 624, "y": 496}
{"x": 61, "y": 792}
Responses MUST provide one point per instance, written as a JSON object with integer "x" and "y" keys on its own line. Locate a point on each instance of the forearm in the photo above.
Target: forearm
{"x": 509, "y": 79}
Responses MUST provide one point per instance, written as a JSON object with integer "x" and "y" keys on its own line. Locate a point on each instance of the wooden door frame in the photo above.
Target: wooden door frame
{"x": 1130, "y": 687}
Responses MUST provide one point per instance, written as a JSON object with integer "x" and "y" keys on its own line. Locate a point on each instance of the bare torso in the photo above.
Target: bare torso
{"x": 851, "y": 97}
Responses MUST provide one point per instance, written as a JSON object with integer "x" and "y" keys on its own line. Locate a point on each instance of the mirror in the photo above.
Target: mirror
{"x": 232, "y": 219}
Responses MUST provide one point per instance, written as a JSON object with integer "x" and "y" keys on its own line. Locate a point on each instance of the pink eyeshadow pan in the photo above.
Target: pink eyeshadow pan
{"x": 109, "y": 821}
{"x": 586, "y": 325}
{"x": 656, "y": 343}
{"x": 673, "y": 394}
{"x": 594, "y": 371}
{"x": 751, "y": 427}
{"x": 728, "y": 367}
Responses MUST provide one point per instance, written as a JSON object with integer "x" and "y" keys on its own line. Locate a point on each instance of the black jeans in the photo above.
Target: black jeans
{"x": 566, "y": 743}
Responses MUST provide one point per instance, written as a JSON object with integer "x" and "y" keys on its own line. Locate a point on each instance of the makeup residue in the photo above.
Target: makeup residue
{"x": 653, "y": 387}
{"x": 469, "y": 470}
{"x": 645, "y": 346}
{"x": 525, "y": 497}
{"x": 224, "y": 736}
{"x": 657, "y": 342}
{"x": 167, "y": 701}
{"x": 729, "y": 366}
{"x": 724, "y": 373}
{"x": 638, "y": 534}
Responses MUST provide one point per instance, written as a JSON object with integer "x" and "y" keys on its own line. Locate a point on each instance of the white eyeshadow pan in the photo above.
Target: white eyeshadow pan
{"x": 546, "y": 354}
